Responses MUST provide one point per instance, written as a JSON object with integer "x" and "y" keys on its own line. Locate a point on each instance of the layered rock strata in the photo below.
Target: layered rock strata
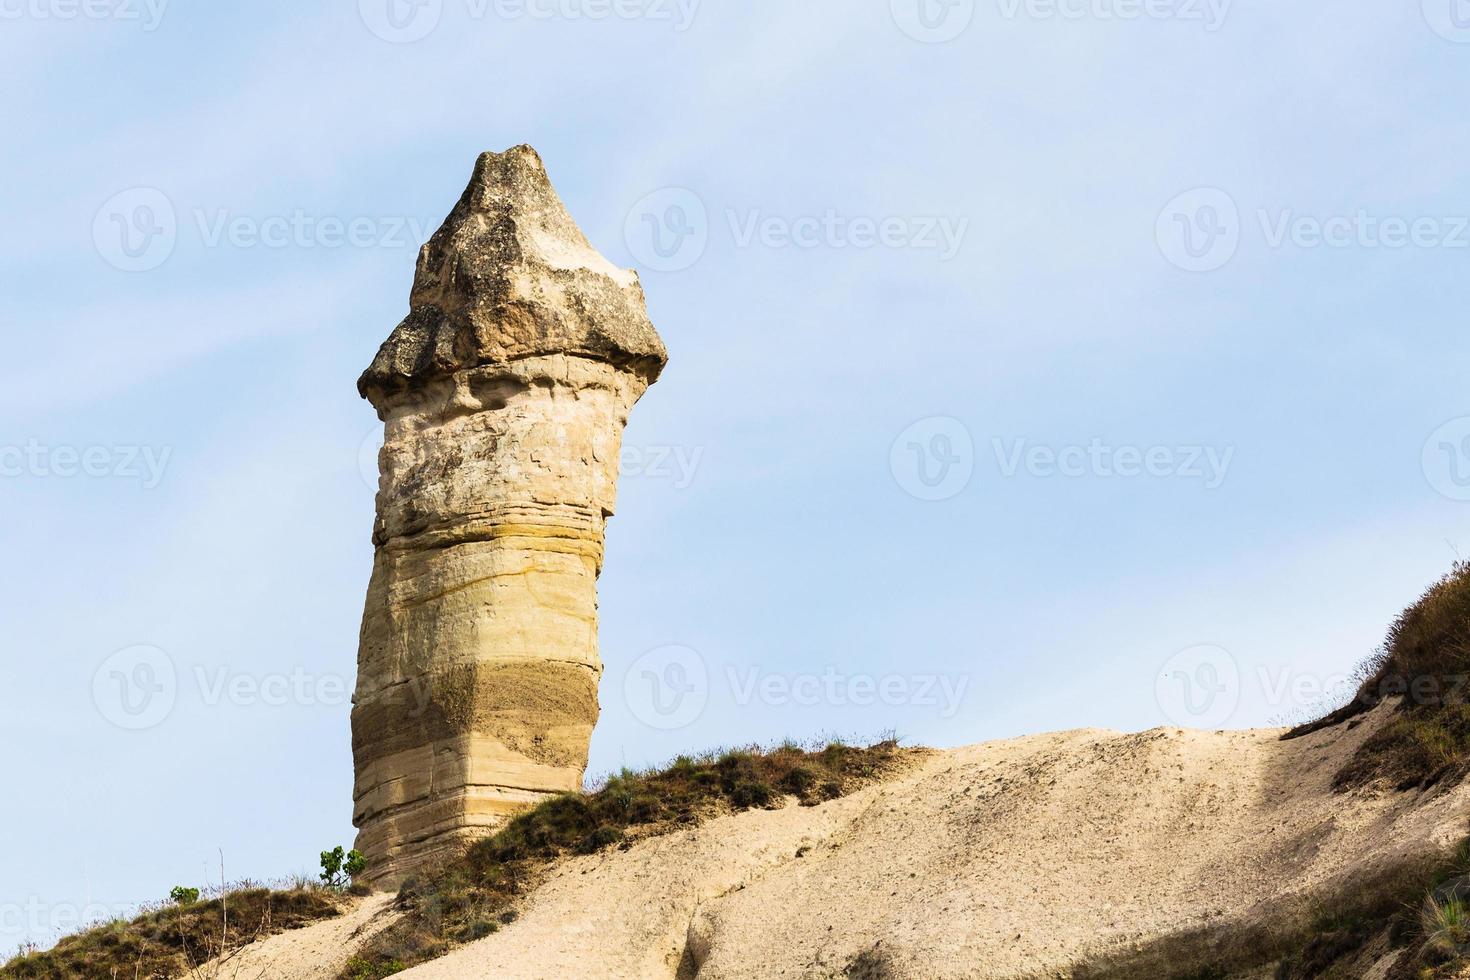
{"x": 504, "y": 394}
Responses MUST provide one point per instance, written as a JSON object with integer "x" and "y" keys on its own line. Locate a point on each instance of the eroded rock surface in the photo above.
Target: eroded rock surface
{"x": 504, "y": 394}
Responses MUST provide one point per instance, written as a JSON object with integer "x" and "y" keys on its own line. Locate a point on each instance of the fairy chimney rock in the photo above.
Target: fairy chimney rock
{"x": 503, "y": 394}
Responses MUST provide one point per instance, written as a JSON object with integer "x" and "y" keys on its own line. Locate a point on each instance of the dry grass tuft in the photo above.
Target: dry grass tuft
{"x": 1424, "y": 665}
{"x": 176, "y": 940}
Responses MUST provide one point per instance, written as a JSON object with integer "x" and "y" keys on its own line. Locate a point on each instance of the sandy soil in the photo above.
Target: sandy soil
{"x": 1078, "y": 854}
{"x": 316, "y": 952}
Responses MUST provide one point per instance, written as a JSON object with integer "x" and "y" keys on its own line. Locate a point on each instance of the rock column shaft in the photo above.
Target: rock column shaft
{"x": 504, "y": 394}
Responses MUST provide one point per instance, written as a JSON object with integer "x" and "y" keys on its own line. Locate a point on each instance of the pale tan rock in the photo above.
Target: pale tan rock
{"x": 504, "y": 394}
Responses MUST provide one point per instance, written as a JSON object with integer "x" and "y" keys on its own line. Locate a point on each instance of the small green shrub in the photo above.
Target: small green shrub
{"x": 360, "y": 969}
{"x": 181, "y": 895}
{"x": 339, "y": 868}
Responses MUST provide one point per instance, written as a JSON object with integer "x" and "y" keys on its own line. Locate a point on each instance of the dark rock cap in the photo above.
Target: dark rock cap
{"x": 509, "y": 275}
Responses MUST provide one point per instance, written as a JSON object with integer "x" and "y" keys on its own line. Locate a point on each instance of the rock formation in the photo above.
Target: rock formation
{"x": 504, "y": 394}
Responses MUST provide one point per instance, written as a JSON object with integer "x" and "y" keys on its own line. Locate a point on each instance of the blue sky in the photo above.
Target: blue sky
{"x": 1035, "y": 365}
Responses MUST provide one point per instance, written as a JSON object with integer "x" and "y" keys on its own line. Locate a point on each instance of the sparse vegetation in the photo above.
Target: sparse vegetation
{"x": 360, "y": 969}
{"x": 1426, "y": 919}
{"x": 183, "y": 895}
{"x": 339, "y": 868}
{"x": 1424, "y": 664}
{"x": 1446, "y": 926}
{"x": 176, "y": 939}
{"x": 473, "y": 897}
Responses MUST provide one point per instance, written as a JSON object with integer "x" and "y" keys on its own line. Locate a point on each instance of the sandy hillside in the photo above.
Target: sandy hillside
{"x": 1084, "y": 853}
{"x": 316, "y": 952}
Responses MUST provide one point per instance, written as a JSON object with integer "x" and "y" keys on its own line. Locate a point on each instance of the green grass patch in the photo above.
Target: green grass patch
{"x": 474, "y": 896}
{"x": 175, "y": 939}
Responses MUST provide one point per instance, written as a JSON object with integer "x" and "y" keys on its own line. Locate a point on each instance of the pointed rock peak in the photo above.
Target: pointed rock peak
{"x": 510, "y": 275}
